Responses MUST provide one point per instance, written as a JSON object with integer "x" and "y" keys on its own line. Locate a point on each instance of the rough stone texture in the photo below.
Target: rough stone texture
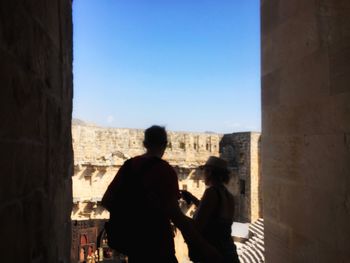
{"x": 35, "y": 135}
{"x": 112, "y": 146}
{"x": 305, "y": 130}
{"x": 256, "y": 195}
{"x": 242, "y": 151}
{"x": 92, "y": 232}
{"x": 99, "y": 152}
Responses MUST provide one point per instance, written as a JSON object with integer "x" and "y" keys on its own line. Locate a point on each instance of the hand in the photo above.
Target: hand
{"x": 187, "y": 196}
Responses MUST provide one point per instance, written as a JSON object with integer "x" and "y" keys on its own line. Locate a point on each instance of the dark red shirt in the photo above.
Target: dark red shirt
{"x": 160, "y": 178}
{"x": 159, "y": 182}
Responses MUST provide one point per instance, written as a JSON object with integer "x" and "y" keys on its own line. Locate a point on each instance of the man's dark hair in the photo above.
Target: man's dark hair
{"x": 155, "y": 136}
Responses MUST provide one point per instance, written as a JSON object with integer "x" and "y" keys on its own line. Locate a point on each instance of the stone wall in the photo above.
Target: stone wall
{"x": 306, "y": 130}
{"x": 112, "y": 146}
{"x": 256, "y": 194}
{"x": 99, "y": 152}
{"x": 242, "y": 152}
{"x": 35, "y": 135}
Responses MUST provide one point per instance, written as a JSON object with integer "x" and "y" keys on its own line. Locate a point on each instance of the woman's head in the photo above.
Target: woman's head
{"x": 216, "y": 171}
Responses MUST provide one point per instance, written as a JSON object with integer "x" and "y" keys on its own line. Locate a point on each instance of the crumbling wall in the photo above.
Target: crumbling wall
{"x": 256, "y": 194}
{"x": 241, "y": 151}
{"x": 35, "y": 135}
{"x": 101, "y": 146}
{"x": 99, "y": 152}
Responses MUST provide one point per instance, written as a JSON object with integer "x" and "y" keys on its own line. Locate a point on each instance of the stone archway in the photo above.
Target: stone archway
{"x": 305, "y": 140}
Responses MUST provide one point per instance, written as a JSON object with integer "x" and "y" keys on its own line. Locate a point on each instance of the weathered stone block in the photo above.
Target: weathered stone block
{"x": 12, "y": 227}
{"x": 314, "y": 117}
{"x": 35, "y": 137}
{"x": 269, "y": 15}
{"x": 291, "y": 40}
{"x": 279, "y": 235}
{"x": 302, "y": 80}
{"x": 9, "y": 179}
{"x": 270, "y": 88}
{"x": 340, "y": 69}
{"x": 45, "y": 13}
{"x": 305, "y": 155}
{"x": 330, "y": 175}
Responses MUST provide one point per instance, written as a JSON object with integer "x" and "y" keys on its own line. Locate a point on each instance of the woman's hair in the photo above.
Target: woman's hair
{"x": 220, "y": 175}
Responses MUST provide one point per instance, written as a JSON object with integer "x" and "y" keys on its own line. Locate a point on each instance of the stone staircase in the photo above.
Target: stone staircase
{"x": 252, "y": 251}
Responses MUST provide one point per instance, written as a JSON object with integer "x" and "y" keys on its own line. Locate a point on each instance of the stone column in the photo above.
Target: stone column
{"x": 35, "y": 134}
{"x": 306, "y": 130}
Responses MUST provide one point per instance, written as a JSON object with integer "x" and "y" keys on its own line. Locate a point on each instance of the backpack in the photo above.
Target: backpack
{"x": 126, "y": 200}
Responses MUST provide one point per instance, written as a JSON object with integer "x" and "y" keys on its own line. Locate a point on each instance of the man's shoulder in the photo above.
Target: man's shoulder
{"x": 152, "y": 161}
{"x": 137, "y": 160}
{"x": 145, "y": 158}
{"x": 162, "y": 167}
{"x": 164, "y": 162}
{"x": 165, "y": 165}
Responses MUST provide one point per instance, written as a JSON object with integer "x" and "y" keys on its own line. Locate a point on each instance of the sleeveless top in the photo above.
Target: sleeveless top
{"x": 218, "y": 229}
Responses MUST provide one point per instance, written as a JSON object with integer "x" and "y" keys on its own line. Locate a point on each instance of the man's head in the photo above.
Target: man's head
{"x": 155, "y": 139}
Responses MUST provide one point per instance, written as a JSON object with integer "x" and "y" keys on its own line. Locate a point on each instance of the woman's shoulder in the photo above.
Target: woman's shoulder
{"x": 220, "y": 191}
{"x": 212, "y": 192}
{"x": 211, "y": 189}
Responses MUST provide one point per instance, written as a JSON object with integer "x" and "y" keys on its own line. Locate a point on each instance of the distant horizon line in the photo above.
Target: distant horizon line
{"x": 80, "y": 122}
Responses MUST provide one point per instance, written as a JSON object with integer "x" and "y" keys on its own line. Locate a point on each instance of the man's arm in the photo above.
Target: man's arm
{"x": 189, "y": 198}
{"x": 190, "y": 232}
{"x": 169, "y": 195}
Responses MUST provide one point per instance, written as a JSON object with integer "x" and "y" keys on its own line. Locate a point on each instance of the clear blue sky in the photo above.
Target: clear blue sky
{"x": 191, "y": 65}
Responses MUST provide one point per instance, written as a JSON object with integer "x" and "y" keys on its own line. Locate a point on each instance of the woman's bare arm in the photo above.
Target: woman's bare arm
{"x": 189, "y": 198}
{"x": 191, "y": 233}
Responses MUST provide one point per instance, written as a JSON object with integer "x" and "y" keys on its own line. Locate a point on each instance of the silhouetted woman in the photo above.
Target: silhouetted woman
{"x": 215, "y": 211}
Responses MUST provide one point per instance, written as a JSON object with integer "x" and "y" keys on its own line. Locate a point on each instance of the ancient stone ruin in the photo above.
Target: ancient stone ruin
{"x": 99, "y": 152}
{"x": 305, "y": 148}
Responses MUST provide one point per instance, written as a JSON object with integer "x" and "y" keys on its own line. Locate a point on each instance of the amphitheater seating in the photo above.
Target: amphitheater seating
{"x": 252, "y": 251}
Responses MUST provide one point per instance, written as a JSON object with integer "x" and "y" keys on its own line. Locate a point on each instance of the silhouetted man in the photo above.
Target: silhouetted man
{"x": 150, "y": 194}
